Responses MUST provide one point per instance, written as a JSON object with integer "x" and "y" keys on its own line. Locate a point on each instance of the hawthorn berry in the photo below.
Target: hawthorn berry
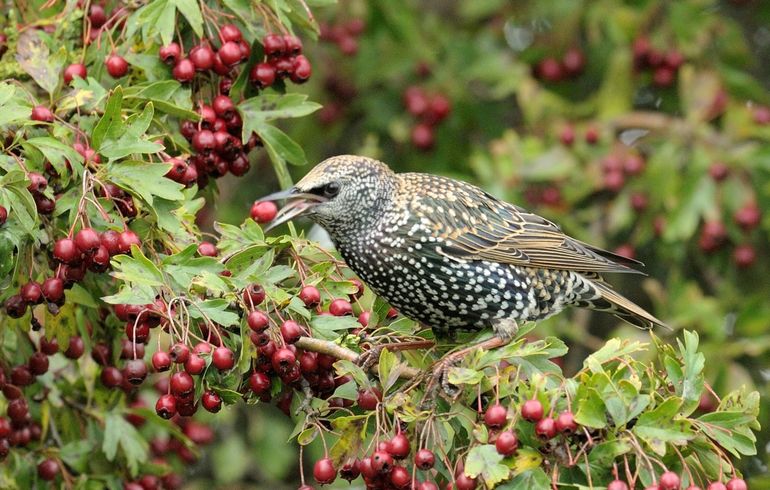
{"x": 75, "y": 70}
{"x": 111, "y": 377}
{"x": 76, "y": 348}
{"x": 744, "y": 255}
{"x": 170, "y": 53}
{"x": 565, "y": 423}
{"x": 202, "y": 56}
{"x": 87, "y": 240}
{"x": 427, "y": 485}
{"x": 617, "y": 485}
{"x": 465, "y": 482}
{"x": 736, "y": 484}
{"x": 340, "y": 307}
{"x": 263, "y": 211}
{"x": 310, "y": 295}
{"x": 66, "y": 251}
{"x": 496, "y": 416}
{"x": 382, "y": 462}
{"x": 207, "y": 249}
{"x": 230, "y": 32}
{"x": 161, "y": 361}
{"x": 369, "y": 398}
{"x": 324, "y": 471}
{"x": 259, "y": 383}
{"x": 301, "y": 69}
{"x": 716, "y": 486}
{"x": 42, "y": 113}
{"x": 669, "y": 481}
{"x": 194, "y": 364}
{"x": 48, "y": 469}
{"x": 166, "y": 407}
{"x": 274, "y": 45}
{"x": 223, "y": 358}
{"x": 211, "y": 401}
{"x": 398, "y": 446}
{"x": 181, "y": 383}
{"x": 253, "y": 295}
{"x": 350, "y": 470}
{"x": 184, "y": 70}
{"x": 257, "y": 320}
{"x": 546, "y": 428}
{"x": 532, "y": 410}
{"x": 400, "y": 477}
{"x": 3, "y": 215}
{"x": 117, "y": 66}
{"x": 38, "y": 363}
{"x": 507, "y": 443}
{"x": 126, "y": 239}
{"x": 283, "y": 360}
{"x": 423, "y": 137}
{"x": 291, "y": 331}
{"x": 135, "y": 371}
{"x": 424, "y": 459}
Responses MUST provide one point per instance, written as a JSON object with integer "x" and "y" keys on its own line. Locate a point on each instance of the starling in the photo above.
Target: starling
{"x": 451, "y": 256}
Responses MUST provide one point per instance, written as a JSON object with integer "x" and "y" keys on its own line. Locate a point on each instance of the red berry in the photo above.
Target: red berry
{"x": 291, "y": 331}
{"x": 18, "y": 409}
{"x": 117, "y": 66}
{"x": 87, "y": 240}
{"x": 617, "y": 485}
{"x": 207, "y": 249}
{"x": 230, "y": 32}
{"x": 550, "y": 70}
{"x": 744, "y": 255}
{"x": 66, "y": 251}
{"x": 165, "y": 407}
{"x": 340, "y": 307}
{"x": 126, "y": 239}
{"x": 15, "y": 306}
{"x": 31, "y": 293}
{"x": 633, "y": 164}
{"x": 663, "y": 76}
{"x": 257, "y": 320}
{"x": 348, "y": 45}
{"x": 465, "y": 482}
{"x": 111, "y": 377}
{"x": 324, "y": 471}
{"x": 748, "y": 217}
{"x": 532, "y": 410}
{"x": 48, "y": 469}
{"x": 573, "y": 62}
{"x": 283, "y": 360}
{"x": 507, "y": 443}
{"x": 74, "y": 70}
{"x": 350, "y": 470}
{"x": 310, "y": 296}
{"x": 427, "y": 485}
{"x": 369, "y": 398}
{"x": 259, "y": 383}
{"x": 496, "y": 416}
{"x": 415, "y": 101}
{"x": 382, "y": 462}
{"x": 262, "y": 75}
{"x": 263, "y": 211}
{"x": 736, "y": 484}
{"x": 565, "y": 423}
{"x": 223, "y": 106}
{"x": 761, "y": 115}
{"x": 38, "y": 363}
{"x": 211, "y": 401}
{"x": 170, "y": 53}
{"x": 194, "y": 364}
{"x": 439, "y": 108}
{"x": 135, "y": 371}
{"x": 400, "y": 477}
{"x": 424, "y": 459}
{"x": 203, "y": 141}
{"x": 161, "y": 361}
{"x": 301, "y": 69}
{"x": 49, "y": 347}
{"x": 253, "y": 295}
{"x": 423, "y": 137}
{"x": 202, "y": 56}
{"x": 592, "y": 135}
{"x": 3, "y": 215}
{"x": 719, "y": 171}
{"x": 223, "y": 358}
{"x": 75, "y": 348}
{"x": 399, "y": 446}
{"x": 181, "y": 383}
{"x": 184, "y": 70}
{"x": 669, "y": 481}
{"x": 546, "y": 428}
{"x": 42, "y": 113}
{"x": 567, "y": 136}
{"x": 179, "y": 353}
{"x": 716, "y": 486}
{"x": 274, "y": 45}
{"x": 293, "y": 45}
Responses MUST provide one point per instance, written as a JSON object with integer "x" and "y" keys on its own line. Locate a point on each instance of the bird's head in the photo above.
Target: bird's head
{"x": 342, "y": 194}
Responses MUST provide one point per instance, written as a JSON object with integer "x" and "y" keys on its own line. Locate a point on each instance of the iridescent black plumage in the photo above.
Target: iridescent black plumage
{"x": 451, "y": 256}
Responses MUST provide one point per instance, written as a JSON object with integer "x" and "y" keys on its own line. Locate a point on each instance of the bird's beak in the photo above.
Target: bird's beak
{"x": 298, "y": 203}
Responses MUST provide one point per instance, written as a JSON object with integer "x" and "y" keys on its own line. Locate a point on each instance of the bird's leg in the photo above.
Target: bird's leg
{"x": 504, "y": 332}
{"x": 369, "y": 358}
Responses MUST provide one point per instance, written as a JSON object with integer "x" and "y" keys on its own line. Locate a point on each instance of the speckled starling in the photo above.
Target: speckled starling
{"x": 451, "y": 256}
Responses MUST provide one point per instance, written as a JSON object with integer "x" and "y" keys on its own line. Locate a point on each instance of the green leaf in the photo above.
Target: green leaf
{"x": 76, "y": 454}
{"x": 528, "y": 480}
{"x": 691, "y": 386}
{"x": 590, "y": 408}
{"x": 464, "y": 376}
{"x": 484, "y": 461}
{"x": 110, "y": 124}
{"x": 281, "y": 144}
{"x": 59, "y": 155}
{"x": 13, "y": 109}
{"x": 662, "y": 425}
{"x": 34, "y": 57}
{"x": 214, "y": 310}
{"x": 605, "y": 453}
{"x": 388, "y": 369}
{"x": 730, "y": 429}
{"x": 192, "y": 12}
{"x": 145, "y": 179}
{"x": 613, "y": 349}
{"x": 268, "y": 107}
{"x": 326, "y": 326}
{"x": 118, "y": 433}
{"x": 136, "y": 269}
{"x": 131, "y": 139}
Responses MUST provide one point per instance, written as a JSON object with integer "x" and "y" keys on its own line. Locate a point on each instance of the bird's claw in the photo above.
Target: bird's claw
{"x": 367, "y": 359}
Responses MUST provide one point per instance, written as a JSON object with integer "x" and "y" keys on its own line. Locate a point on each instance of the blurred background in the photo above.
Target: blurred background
{"x": 640, "y": 126}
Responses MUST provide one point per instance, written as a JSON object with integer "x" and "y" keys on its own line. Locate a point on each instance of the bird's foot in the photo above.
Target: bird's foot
{"x": 367, "y": 359}
{"x": 440, "y": 377}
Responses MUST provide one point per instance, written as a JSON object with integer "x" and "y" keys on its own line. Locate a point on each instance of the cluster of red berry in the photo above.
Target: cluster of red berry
{"x": 216, "y": 139}
{"x": 570, "y": 66}
{"x": 669, "y": 480}
{"x": 344, "y": 34}
{"x": 283, "y": 59}
{"x": 664, "y": 65}
{"x": 232, "y": 51}
{"x": 617, "y": 167}
{"x": 429, "y": 110}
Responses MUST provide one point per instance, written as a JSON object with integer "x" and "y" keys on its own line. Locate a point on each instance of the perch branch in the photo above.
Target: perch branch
{"x": 331, "y": 349}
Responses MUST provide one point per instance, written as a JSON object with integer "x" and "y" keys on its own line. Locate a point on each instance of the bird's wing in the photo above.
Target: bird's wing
{"x": 477, "y": 226}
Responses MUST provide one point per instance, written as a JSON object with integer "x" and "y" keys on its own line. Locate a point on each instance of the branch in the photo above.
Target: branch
{"x": 331, "y": 349}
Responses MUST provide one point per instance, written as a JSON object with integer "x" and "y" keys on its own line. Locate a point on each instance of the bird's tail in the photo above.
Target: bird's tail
{"x": 610, "y": 301}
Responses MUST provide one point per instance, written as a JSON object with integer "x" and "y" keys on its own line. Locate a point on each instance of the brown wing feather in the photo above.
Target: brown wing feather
{"x": 477, "y": 226}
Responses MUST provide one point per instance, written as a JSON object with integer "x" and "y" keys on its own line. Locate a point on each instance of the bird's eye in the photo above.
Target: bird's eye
{"x": 331, "y": 189}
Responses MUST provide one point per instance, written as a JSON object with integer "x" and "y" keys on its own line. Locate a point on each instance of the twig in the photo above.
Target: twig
{"x": 331, "y": 349}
